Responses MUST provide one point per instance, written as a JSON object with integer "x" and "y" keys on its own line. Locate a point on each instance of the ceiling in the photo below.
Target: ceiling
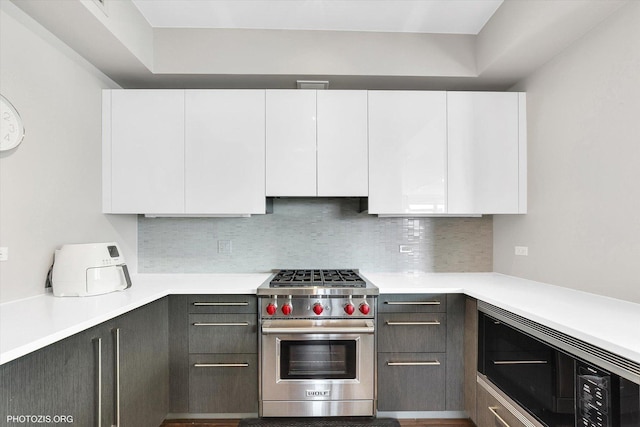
{"x": 397, "y": 16}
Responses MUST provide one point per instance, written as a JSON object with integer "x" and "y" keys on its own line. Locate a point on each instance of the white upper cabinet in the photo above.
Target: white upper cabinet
{"x": 317, "y": 143}
{"x": 220, "y": 152}
{"x": 143, "y": 151}
{"x": 342, "y": 143}
{"x": 291, "y": 142}
{"x": 407, "y": 152}
{"x": 225, "y": 152}
{"x": 174, "y": 153}
{"x": 486, "y": 153}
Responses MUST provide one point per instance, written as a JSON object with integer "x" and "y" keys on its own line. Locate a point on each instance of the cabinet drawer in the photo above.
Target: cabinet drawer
{"x": 223, "y": 304}
{"x": 223, "y": 383}
{"x": 494, "y": 411}
{"x": 223, "y": 333}
{"x": 411, "y": 381}
{"x": 412, "y": 332}
{"x": 412, "y": 303}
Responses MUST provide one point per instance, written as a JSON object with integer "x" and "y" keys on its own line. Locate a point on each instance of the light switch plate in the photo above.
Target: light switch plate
{"x": 4, "y": 253}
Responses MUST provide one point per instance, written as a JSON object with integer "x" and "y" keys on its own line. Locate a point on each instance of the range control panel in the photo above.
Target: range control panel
{"x": 313, "y": 306}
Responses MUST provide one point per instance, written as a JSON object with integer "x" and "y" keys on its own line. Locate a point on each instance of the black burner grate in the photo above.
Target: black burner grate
{"x": 335, "y": 278}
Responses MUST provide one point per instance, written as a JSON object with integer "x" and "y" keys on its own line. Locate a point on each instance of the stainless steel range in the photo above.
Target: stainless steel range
{"x": 317, "y": 346}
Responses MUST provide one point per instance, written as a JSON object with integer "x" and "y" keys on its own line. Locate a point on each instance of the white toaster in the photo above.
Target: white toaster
{"x": 89, "y": 269}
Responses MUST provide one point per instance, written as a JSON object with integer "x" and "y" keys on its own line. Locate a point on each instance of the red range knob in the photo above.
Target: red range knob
{"x": 317, "y": 308}
{"x": 364, "y": 308}
{"x": 286, "y": 309}
{"x": 271, "y": 309}
{"x": 349, "y": 309}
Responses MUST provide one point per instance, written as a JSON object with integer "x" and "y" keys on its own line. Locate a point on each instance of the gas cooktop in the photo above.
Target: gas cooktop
{"x": 338, "y": 278}
{"x": 317, "y": 282}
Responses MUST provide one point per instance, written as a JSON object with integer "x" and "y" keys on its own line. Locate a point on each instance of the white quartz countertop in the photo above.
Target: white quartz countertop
{"x": 30, "y": 324}
{"x": 608, "y": 323}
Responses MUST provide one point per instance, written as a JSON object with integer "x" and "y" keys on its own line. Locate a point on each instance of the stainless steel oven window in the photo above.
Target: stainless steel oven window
{"x": 318, "y": 359}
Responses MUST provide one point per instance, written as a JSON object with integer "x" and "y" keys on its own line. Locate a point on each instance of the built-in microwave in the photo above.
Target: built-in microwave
{"x": 558, "y": 388}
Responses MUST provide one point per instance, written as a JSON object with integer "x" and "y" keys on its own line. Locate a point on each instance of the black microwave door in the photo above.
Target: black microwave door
{"x": 520, "y": 365}
{"x": 629, "y": 403}
{"x": 535, "y": 375}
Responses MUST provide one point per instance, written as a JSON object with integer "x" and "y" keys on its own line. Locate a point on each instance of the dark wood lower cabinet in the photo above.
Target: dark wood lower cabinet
{"x": 74, "y": 381}
{"x": 223, "y": 383}
{"x": 178, "y": 355}
{"x": 411, "y": 381}
{"x": 412, "y": 332}
{"x": 226, "y": 333}
{"x": 144, "y": 365}
{"x": 470, "y": 356}
{"x": 57, "y": 381}
{"x": 214, "y": 354}
{"x": 494, "y": 408}
{"x": 420, "y": 352}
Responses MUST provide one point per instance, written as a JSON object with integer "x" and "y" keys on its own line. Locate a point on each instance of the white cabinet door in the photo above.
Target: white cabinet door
{"x": 143, "y": 151}
{"x": 291, "y": 142}
{"x": 407, "y": 152}
{"x": 225, "y": 151}
{"x": 487, "y": 153}
{"x": 342, "y": 143}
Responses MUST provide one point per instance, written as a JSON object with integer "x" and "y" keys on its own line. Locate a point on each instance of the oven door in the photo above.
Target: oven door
{"x": 317, "y": 360}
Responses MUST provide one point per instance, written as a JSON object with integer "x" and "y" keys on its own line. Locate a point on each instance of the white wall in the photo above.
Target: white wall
{"x": 232, "y": 51}
{"x": 583, "y": 225}
{"x": 522, "y": 35}
{"x": 50, "y": 184}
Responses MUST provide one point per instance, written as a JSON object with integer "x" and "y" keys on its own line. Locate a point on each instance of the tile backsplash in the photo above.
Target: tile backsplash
{"x": 314, "y": 233}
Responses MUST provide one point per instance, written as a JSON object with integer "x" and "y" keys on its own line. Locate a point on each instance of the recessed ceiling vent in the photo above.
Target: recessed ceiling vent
{"x": 312, "y": 84}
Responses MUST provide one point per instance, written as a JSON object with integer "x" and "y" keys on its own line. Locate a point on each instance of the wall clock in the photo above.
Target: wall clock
{"x": 11, "y": 128}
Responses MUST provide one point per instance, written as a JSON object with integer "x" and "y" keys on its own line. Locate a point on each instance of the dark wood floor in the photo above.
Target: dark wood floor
{"x": 403, "y": 423}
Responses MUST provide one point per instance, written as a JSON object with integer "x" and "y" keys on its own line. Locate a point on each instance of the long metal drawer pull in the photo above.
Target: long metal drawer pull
{"x": 221, "y": 365}
{"x": 221, "y": 324}
{"x": 221, "y": 304}
{"x": 520, "y": 362}
{"x": 428, "y": 363}
{"x": 429, "y": 322}
{"x": 494, "y": 411}
{"x": 116, "y": 333}
{"x": 98, "y": 344}
{"x": 412, "y": 302}
{"x": 318, "y": 330}
{"x": 366, "y": 328}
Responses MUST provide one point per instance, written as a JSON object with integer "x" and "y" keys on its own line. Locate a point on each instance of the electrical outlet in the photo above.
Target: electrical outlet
{"x": 4, "y": 253}
{"x": 522, "y": 250}
{"x": 224, "y": 247}
{"x": 405, "y": 249}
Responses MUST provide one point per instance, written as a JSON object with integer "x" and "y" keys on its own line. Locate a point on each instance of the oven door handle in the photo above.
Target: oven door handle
{"x": 367, "y": 328}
